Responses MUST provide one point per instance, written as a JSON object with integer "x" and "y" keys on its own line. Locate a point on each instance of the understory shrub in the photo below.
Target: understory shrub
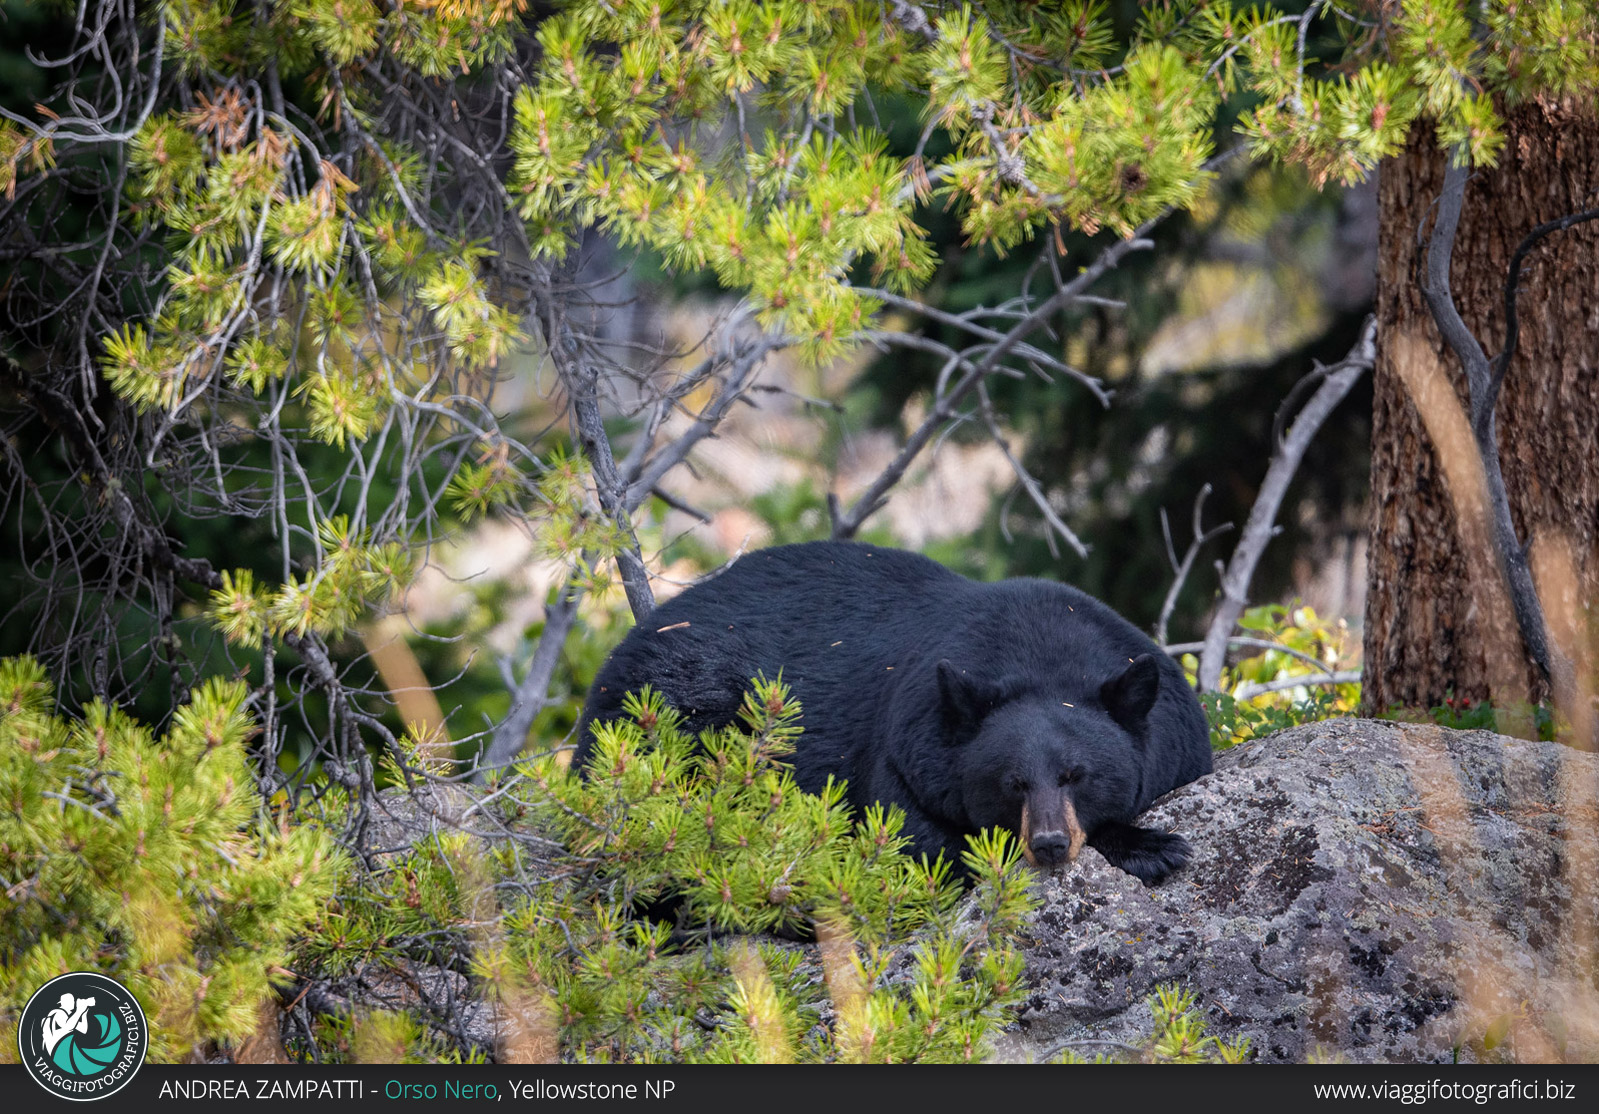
{"x": 630, "y": 915}
{"x": 147, "y": 859}
{"x": 1308, "y": 650}
{"x": 1180, "y": 1036}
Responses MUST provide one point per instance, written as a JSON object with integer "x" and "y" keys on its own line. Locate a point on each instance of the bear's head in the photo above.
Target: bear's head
{"x": 1049, "y": 767}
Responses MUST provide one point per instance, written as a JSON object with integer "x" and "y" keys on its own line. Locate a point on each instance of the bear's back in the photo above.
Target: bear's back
{"x": 832, "y": 618}
{"x": 779, "y": 608}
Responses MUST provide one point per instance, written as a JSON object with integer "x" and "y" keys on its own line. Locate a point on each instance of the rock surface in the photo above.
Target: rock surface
{"x": 1376, "y": 891}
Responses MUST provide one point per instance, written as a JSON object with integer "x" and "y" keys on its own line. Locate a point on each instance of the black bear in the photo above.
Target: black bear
{"x": 1022, "y": 704}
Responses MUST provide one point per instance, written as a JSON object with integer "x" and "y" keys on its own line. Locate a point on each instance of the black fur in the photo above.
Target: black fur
{"x": 956, "y": 700}
{"x": 1143, "y": 852}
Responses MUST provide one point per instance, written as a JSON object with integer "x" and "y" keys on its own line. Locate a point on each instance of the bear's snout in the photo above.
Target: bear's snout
{"x": 1050, "y": 848}
{"x": 1055, "y": 846}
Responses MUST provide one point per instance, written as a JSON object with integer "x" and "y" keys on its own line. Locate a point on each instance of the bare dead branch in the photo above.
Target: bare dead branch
{"x": 1282, "y": 684}
{"x": 578, "y": 367}
{"x": 946, "y": 405}
{"x": 1483, "y": 381}
{"x": 1336, "y": 382}
{"x": 971, "y": 322}
{"x": 531, "y": 694}
{"x": 1179, "y": 648}
{"x": 1501, "y": 362}
{"x": 742, "y": 368}
{"x": 679, "y": 505}
{"x": 1035, "y": 491}
{"x": 1180, "y": 569}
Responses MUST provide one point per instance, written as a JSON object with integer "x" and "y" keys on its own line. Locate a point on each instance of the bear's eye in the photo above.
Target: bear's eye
{"x": 1075, "y": 774}
{"x": 1017, "y": 785}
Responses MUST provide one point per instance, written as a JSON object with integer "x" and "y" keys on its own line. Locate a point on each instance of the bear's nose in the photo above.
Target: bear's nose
{"x": 1050, "y": 848}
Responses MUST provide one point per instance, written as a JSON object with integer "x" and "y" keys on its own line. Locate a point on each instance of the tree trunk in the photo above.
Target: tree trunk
{"x": 1437, "y": 621}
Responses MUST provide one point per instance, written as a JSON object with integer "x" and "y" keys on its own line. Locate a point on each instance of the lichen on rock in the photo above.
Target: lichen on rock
{"x": 1377, "y": 891}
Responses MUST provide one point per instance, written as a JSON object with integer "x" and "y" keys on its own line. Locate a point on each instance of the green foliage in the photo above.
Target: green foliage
{"x": 1234, "y": 721}
{"x": 1179, "y": 1036}
{"x": 148, "y": 860}
{"x": 717, "y": 827}
{"x": 354, "y": 573}
{"x": 1522, "y": 721}
{"x": 1311, "y": 648}
{"x": 714, "y": 831}
{"x": 597, "y": 136}
{"x": 1180, "y": 1032}
{"x": 489, "y": 482}
{"x": 388, "y": 1037}
{"x": 723, "y": 812}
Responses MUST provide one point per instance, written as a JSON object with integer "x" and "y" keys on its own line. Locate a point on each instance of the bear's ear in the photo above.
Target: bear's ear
{"x": 1129, "y": 697}
{"x": 965, "y": 700}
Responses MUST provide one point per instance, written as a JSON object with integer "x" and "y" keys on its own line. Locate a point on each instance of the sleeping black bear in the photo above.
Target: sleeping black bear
{"x": 1022, "y": 704}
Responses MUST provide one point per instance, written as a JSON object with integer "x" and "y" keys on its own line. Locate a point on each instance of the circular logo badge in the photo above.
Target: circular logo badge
{"x": 82, "y": 1036}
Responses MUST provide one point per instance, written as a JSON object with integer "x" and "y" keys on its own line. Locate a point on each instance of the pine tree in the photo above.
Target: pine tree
{"x": 1438, "y": 626}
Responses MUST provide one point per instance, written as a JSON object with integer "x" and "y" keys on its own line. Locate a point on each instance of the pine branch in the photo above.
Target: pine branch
{"x": 1007, "y": 164}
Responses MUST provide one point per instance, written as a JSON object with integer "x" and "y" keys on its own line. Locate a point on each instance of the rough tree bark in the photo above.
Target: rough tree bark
{"x": 1431, "y": 629}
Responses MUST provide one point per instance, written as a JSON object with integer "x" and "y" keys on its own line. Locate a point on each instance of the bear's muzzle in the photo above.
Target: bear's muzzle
{"x": 1056, "y": 843}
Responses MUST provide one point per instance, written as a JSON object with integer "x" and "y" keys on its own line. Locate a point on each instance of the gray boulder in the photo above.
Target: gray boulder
{"x": 1366, "y": 890}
